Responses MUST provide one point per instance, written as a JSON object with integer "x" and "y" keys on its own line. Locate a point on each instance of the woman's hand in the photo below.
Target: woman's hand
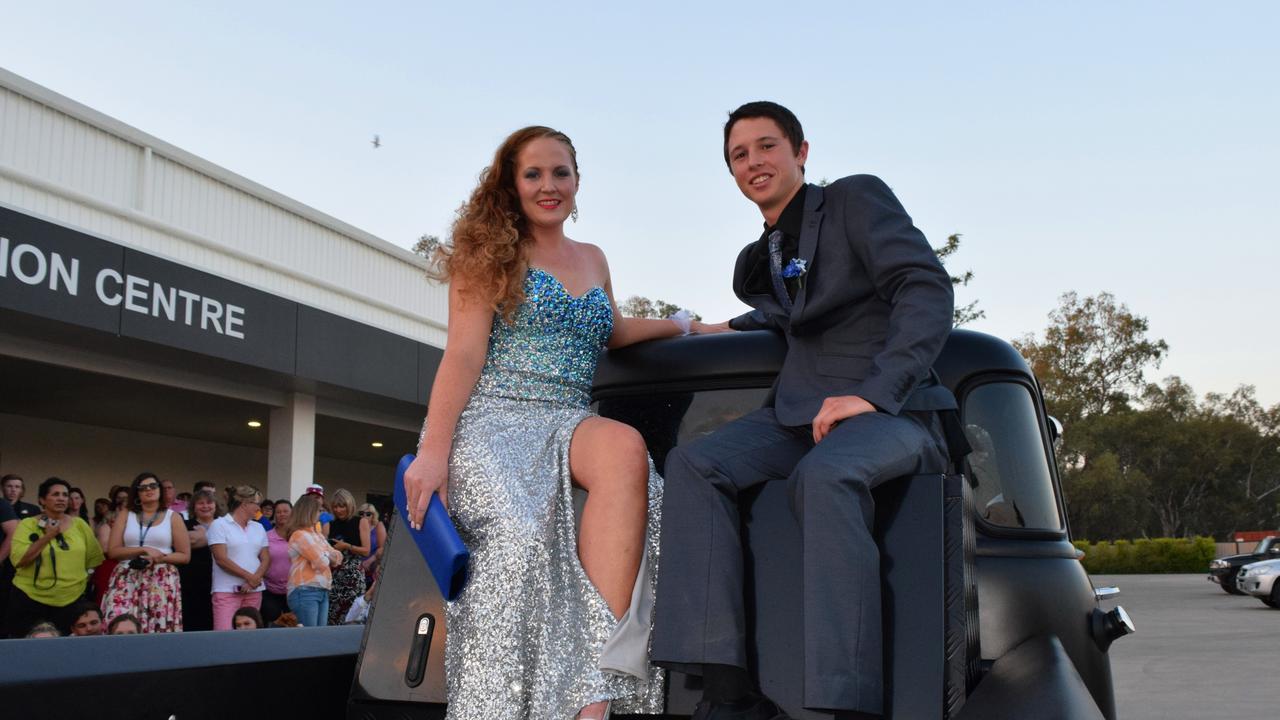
{"x": 421, "y": 479}
{"x": 153, "y": 555}
{"x": 53, "y": 528}
{"x": 342, "y": 546}
{"x": 700, "y": 328}
{"x": 199, "y": 538}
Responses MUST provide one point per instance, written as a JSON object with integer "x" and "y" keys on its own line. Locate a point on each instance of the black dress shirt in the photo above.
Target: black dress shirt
{"x": 789, "y": 222}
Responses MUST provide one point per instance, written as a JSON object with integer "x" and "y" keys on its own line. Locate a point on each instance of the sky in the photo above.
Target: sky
{"x": 1122, "y": 147}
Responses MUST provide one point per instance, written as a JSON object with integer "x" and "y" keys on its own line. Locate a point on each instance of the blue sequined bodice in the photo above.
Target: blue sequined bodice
{"x": 549, "y": 351}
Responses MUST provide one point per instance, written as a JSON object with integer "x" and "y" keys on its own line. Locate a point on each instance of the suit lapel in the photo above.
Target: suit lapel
{"x": 760, "y": 301}
{"x": 811, "y": 226}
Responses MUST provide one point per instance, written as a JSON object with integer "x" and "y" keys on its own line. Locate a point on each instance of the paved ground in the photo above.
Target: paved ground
{"x": 1198, "y": 652}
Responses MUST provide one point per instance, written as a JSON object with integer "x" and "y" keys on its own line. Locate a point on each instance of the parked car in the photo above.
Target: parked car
{"x": 1226, "y": 570}
{"x": 995, "y": 537}
{"x": 1259, "y": 580}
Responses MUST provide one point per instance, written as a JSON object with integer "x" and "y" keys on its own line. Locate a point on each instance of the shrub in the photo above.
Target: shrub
{"x": 1158, "y": 555}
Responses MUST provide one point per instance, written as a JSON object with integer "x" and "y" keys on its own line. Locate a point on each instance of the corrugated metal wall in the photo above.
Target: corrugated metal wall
{"x": 77, "y": 167}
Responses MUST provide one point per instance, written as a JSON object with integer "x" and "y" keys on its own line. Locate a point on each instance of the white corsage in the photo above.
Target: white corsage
{"x": 684, "y": 321}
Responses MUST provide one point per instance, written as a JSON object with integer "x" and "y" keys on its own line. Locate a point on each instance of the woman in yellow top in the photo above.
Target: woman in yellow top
{"x": 53, "y": 553}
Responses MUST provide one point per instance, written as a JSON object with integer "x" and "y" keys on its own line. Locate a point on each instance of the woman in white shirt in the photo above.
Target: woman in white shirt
{"x": 240, "y": 557}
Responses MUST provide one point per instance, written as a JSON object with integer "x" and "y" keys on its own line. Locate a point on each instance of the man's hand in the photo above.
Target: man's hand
{"x": 835, "y": 409}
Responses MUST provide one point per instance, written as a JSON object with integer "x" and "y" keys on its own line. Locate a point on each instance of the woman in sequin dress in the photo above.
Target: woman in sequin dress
{"x": 554, "y": 621}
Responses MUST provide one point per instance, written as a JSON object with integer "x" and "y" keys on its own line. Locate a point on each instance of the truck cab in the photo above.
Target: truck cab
{"x": 988, "y": 612}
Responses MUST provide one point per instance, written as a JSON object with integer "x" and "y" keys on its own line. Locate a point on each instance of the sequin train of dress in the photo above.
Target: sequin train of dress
{"x": 525, "y": 638}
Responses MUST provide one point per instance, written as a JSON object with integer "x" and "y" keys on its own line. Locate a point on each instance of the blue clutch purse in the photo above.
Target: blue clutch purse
{"x": 437, "y": 541}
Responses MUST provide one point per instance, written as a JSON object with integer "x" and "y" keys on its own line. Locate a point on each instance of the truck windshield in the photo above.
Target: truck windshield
{"x": 1009, "y": 464}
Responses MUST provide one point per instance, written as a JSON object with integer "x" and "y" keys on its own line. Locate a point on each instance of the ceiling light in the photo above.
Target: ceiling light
{"x": 255, "y": 423}
{"x": 375, "y": 444}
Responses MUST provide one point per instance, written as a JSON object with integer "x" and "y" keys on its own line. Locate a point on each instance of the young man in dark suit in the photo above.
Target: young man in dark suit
{"x": 865, "y": 307}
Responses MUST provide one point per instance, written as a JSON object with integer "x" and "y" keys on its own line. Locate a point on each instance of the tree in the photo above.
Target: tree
{"x": 1260, "y": 482}
{"x": 1162, "y": 458}
{"x": 426, "y": 246}
{"x": 1106, "y": 500}
{"x": 1140, "y": 459}
{"x": 1093, "y": 355}
{"x": 968, "y": 313}
{"x": 1090, "y": 363}
{"x": 642, "y": 307}
{"x": 1174, "y": 466}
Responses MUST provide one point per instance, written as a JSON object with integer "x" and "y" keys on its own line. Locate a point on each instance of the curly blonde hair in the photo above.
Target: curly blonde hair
{"x": 491, "y": 236}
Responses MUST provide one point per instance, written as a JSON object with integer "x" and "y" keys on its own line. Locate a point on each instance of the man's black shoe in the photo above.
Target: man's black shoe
{"x": 756, "y": 707}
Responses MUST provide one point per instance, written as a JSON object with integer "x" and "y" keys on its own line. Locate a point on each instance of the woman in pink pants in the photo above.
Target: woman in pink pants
{"x": 240, "y": 557}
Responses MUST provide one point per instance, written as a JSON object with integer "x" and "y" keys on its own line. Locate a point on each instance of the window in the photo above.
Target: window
{"x": 668, "y": 419}
{"x": 1009, "y": 465}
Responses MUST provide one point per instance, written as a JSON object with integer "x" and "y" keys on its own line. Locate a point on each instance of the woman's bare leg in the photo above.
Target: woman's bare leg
{"x": 609, "y": 460}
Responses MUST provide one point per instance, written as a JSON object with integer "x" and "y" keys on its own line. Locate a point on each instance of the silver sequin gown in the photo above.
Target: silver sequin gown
{"x": 526, "y": 636}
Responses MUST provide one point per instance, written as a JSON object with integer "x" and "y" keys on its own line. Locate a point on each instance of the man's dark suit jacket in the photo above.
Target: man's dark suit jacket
{"x": 873, "y": 310}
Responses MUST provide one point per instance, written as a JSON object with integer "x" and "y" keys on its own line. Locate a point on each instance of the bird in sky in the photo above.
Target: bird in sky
{"x": 376, "y": 142}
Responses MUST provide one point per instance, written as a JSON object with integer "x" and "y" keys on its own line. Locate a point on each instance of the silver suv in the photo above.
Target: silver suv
{"x": 1259, "y": 580}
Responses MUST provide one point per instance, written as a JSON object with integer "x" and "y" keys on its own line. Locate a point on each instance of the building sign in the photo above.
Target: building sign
{"x": 58, "y": 273}
{"x": 147, "y": 297}
{"x": 50, "y": 271}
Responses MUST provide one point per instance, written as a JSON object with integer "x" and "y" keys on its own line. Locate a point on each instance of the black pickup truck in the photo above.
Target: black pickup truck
{"x": 988, "y": 613}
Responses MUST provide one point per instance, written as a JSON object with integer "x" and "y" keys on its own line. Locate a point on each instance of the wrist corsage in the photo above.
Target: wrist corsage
{"x": 683, "y": 320}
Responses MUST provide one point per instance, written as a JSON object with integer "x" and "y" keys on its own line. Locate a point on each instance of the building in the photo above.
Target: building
{"x": 160, "y": 313}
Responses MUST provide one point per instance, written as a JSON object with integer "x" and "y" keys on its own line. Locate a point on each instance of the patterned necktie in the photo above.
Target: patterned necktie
{"x": 775, "y": 270}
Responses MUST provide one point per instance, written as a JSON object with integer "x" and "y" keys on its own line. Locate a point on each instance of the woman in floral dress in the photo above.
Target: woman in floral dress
{"x": 148, "y": 541}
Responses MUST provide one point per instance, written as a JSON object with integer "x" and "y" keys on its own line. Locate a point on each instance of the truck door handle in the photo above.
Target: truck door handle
{"x": 416, "y": 669}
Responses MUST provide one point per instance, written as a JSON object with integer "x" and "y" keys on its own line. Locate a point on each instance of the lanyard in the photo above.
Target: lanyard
{"x": 142, "y": 532}
{"x": 53, "y": 566}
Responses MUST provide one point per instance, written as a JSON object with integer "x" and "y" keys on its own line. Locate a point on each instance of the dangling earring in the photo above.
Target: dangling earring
{"x": 574, "y": 213}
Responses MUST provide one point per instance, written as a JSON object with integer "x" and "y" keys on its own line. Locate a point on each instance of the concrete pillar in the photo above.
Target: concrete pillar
{"x": 291, "y": 451}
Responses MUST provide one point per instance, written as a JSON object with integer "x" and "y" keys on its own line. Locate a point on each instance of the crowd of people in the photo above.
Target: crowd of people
{"x": 152, "y": 560}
